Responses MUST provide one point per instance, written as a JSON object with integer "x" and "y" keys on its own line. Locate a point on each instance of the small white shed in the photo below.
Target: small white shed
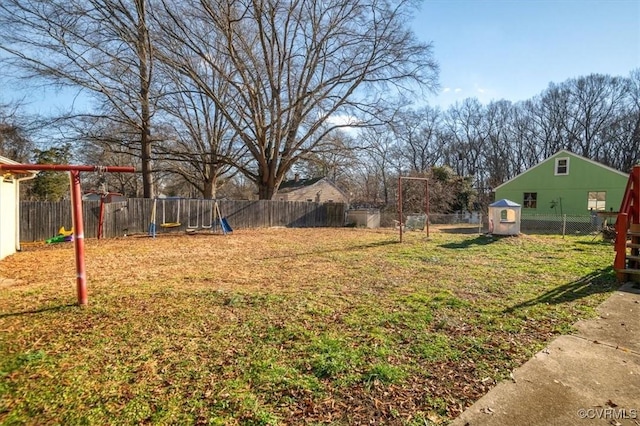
{"x": 504, "y": 217}
{"x": 10, "y": 207}
{"x": 363, "y": 218}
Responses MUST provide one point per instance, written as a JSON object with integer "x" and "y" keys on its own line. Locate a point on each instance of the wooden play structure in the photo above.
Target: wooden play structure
{"x": 627, "y": 245}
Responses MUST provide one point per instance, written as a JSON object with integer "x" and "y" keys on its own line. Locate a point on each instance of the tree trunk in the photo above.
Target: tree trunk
{"x": 147, "y": 182}
{"x": 267, "y": 184}
{"x": 145, "y": 114}
{"x": 209, "y": 189}
{"x": 266, "y": 191}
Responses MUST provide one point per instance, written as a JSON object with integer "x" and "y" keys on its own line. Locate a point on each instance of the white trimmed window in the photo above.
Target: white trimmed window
{"x": 562, "y": 166}
{"x": 596, "y": 200}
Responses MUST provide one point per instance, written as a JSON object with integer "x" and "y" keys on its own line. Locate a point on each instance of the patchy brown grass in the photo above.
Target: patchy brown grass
{"x": 283, "y": 326}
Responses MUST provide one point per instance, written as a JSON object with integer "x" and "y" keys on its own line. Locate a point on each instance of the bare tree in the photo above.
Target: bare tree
{"x": 622, "y": 135}
{"x": 332, "y": 158}
{"x": 294, "y": 67}
{"x": 382, "y": 161}
{"x": 202, "y": 147}
{"x": 594, "y": 103}
{"x": 500, "y": 156}
{"x": 419, "y": 134}
{"x": 468, "y": 136}
{"x": 528, "y": 133}
{"x": 106, "y": 141}
{"x": 99, "y": 47}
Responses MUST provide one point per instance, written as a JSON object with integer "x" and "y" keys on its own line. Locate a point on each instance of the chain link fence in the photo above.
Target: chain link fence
{"x": 476, "y": 222}
{"x": 561, "y": 224}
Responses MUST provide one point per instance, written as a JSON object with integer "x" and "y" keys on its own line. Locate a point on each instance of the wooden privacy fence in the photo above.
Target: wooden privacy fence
{"x": 40, "y": 220}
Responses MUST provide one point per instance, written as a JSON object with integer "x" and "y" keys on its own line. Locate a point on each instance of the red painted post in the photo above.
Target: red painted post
{"x": 426, "y": 203}
{"x": 635, "y": 199}
{"x": 66, "y": 168}
{"x": 78, "y": 237}
{"x": 400, "y": 206}
{"x": 619, "y": 263}
{"x": 76, "y": 209}
{"x": 426, "y": 196}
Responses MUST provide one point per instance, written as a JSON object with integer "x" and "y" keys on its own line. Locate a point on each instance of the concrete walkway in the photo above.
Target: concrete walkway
{"x": 590, "y": 378}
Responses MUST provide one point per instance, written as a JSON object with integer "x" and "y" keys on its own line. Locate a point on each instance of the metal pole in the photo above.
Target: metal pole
{"x": 426, "y": 195}
{"x": 67, "y": 168}
{"x": 101, "y": 215}
{"x": 400, "y": 205}
{"x": 78, "y": 237}
{"x": 635, "y": 213}
{"x": 76, "y": 209}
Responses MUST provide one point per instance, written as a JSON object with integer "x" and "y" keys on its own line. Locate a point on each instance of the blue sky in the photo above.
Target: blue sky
{"x": 504, "y": 49}
{"x": 513, "y": 49}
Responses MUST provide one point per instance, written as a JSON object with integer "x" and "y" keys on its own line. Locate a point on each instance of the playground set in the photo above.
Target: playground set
{"x": 202, "y": 216}
{"x": 76, "y": 210}
{"x": 413, "y": 221}
{"x": 627, "y": 243}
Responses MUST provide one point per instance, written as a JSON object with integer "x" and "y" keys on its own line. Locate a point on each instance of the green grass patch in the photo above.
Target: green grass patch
{"x": 270, "y": 327}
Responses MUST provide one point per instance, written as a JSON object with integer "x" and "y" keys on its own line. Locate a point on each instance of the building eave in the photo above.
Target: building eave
{"x": 8, "y": 161}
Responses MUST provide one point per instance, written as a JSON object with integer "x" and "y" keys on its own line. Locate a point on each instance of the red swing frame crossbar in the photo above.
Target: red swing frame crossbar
{"x": 76, "y": 210}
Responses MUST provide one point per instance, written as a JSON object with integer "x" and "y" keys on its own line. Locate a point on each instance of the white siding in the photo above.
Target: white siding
{"x": 8, "y": 221}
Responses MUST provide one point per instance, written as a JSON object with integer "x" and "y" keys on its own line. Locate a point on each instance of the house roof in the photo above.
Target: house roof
{"x": 562, "y": 152}
{"x": 292, "y": 185}
{"x": 5, "y": 160}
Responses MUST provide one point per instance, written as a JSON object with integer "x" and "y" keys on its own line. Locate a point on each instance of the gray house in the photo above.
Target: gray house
{"x": 318, "y": 190}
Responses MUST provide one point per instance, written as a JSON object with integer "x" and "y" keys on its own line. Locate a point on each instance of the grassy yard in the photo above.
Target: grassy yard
{"x": 284, "y": 326}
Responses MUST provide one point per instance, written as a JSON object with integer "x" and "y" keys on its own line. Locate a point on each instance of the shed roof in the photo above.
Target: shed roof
{"x": 504, "y": 203}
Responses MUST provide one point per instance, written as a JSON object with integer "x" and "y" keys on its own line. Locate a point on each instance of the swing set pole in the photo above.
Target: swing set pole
{"x": 78, "y": 237}
{"x": 66, "y": 168}
{"x": 426, "y": 201}
{"x": 76, "y": 210}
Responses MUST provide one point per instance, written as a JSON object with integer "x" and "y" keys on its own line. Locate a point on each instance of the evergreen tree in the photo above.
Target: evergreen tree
{"x": 51, "y": 185}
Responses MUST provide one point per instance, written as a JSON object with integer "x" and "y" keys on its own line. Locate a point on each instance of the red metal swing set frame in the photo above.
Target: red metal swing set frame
{"x": 426, "y": 201}
{"x": 76, "y": 210}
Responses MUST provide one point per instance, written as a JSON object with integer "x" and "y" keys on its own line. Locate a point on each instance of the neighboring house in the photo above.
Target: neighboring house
{"x": 9, "y": 208}
{"x": 318, "y": 190}
{"x": 566, "y": 183}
